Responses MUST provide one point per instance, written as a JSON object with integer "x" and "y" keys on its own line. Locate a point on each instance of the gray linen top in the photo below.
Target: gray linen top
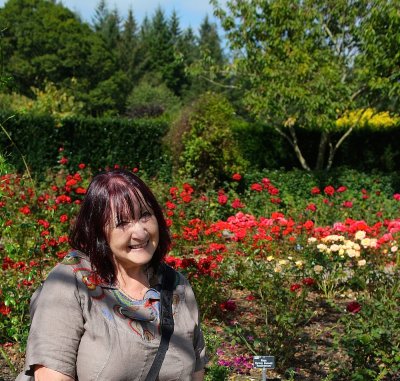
{"x": 78, "y": 328}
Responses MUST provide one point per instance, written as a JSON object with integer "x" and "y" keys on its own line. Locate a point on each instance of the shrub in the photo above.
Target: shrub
{"x": 210, "y": 153}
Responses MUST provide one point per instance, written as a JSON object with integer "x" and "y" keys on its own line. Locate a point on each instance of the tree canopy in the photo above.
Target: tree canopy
{"x": 304, "y": 63}
{"x": 99, "y": 64}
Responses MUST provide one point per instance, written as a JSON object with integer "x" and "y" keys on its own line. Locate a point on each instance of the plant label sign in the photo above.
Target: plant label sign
{"x": 267, "y": 362}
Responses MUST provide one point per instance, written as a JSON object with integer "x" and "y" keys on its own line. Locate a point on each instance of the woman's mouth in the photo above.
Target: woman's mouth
{"x": 138, "y": 246}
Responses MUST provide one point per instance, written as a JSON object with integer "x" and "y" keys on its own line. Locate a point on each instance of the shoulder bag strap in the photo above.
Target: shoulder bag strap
{"x": 166, "y": 321}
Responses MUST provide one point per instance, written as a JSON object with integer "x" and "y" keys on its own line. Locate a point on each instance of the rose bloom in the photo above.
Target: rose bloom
{"x": 308, "y": 224}
{"x": 362, "y": 262}
{"x": 353, "y": 307}
{"x": 63, "y": 218}
{"x": 256, "y": 187}
{"x": 295, "y": 287}
{"x": 25, "y": 210}
{"x": 360, "y": 234}
{"x": 237, "y": 204}
{"x": 311, "y": 206}
{"x": 63, "y": 160}
{"x": 308, "y": 281}
{"x": 229, "y": 305}
{"x": 396, "y": 196}
{"x": 329, "y": 190}
{"x": 347, "y": 204}
{"x": 341, "y": 189}
{"x": 318, "y": 269}
{"x": 80, "y": 190}
{"x": 236, "y": 177}
{"x": 222, "y": 199}
{"x": 4, "y": 310}
{"x": 315, "y": 190}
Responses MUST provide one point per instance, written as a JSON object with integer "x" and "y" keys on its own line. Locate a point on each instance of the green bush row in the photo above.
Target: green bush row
{"x": 98, "y": 141}
{"x": 364, "y": 149}
{"x": 139, "y": 143}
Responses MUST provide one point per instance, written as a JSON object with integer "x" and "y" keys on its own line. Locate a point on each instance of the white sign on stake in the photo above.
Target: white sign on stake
{"x": 267, "y": 362}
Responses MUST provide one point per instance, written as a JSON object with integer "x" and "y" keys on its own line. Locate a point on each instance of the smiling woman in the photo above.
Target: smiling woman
{"x": 98, "y": 314}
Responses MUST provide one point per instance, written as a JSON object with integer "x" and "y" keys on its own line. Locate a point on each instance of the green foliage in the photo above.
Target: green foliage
{"x": 148, "y": 101}
{"x": 371, "y": 338}
{"x": 305, "y": 63}
{"x": 98, "y": 141}
{"x": 284, "y": 310}
{"x": 216, "y": 373}
{"x": 55, "y": 102}
{"x": 209, "y": 151}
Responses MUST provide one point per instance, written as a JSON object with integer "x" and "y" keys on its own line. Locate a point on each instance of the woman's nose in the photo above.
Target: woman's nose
{"x": 138, "y": 231}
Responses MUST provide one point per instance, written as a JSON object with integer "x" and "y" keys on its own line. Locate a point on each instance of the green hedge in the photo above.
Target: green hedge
{"x": 107, "y": 141}
{"x": 364, "y": 150}
{"x": 99, "y": 142}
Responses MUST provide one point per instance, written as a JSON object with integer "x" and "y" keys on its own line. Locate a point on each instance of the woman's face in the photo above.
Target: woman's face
{"x": 134, "y": 241}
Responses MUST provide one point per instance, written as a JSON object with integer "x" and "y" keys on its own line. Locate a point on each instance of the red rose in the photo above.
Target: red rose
{"x": 315, "y": 190}
{"x": 311, "y": 206}
{"x": 237, "y": 204}
{"x": 25, "y": 210}
{"x": 329, "y": 190}
{"x": 308, "y": 281}
{"x": 229, "y": 305}
{"x": 256, "y": 187}
{"x": 236, "y": 177}
{"x": 4, "y": 310}
{"x": 295, "y": 287}
{"x": 80, "y": 190}
{"x": 82, "y": 166}
{"x": 347, "y": 204}
{"x": 63, "y": 218}
{"x": 341, "y": 189}
{"x": 222, "y": 199}
{"x": 396, "y": 196}
{"x": 353, "y": 307}
{"x": 63, "y": 160}
{"x": 308, "y": 224}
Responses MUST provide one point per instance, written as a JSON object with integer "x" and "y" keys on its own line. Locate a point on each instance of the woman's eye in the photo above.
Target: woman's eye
{"x": 145, "y": 216}
{"x": 122, "y": 224}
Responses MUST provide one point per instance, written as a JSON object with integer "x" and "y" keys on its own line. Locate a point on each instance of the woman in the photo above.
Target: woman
{"x": 97, "y": 315}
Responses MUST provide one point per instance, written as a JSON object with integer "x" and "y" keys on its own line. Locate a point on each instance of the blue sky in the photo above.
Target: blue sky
{"x": 190, "y": 12}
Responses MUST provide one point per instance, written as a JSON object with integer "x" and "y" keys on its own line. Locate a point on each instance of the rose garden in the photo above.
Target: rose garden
{"x": 281, "y": 266}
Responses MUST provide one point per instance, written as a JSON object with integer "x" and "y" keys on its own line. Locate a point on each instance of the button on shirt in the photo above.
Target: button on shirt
{"x": 90, "y": 330}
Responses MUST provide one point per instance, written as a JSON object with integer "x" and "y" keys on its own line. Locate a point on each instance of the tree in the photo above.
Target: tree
{"x": 305, "y": 63}
{"x": 107, "y": 25}
{"x": 128, "y": 47}
{"x": 209, "y": 41}
{"x": 45, "y": 42}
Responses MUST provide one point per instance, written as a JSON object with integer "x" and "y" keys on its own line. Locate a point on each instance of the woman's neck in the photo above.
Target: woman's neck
{"x": 134, "y": 282}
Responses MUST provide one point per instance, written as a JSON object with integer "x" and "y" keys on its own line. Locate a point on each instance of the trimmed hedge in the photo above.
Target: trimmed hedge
{"x": 101, "y": 142}
{"x": 98, "y": 141}
{"x": 364, "y": 149}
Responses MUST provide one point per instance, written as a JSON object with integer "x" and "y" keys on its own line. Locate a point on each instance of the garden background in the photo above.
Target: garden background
{"x": 275, "y": 157}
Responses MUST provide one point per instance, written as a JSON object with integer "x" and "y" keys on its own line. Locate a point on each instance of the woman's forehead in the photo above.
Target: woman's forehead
{"x": 130, "y": 203}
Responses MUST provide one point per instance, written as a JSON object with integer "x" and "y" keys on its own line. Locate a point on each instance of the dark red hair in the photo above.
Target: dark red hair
{"x": 125, "y": 193}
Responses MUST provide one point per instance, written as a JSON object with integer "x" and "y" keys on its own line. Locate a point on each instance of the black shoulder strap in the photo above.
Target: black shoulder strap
{"x": 166, "y": 320}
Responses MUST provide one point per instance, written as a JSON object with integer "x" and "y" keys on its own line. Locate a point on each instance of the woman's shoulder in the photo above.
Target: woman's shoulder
{"x": 67, "y": 268}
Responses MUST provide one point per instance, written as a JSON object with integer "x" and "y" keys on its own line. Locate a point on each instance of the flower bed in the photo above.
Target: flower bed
{"x": 312, "y": 280}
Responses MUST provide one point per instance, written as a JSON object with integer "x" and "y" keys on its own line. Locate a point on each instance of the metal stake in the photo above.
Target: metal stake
{"x": 264, "y": 374}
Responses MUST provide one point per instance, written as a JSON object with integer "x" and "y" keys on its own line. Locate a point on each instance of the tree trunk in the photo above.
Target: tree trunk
{"x": 333, "y": 149}
{"x": 323, "y": 143}
{"x": 297, "y": 150}
{"x": 293, "y": 142}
